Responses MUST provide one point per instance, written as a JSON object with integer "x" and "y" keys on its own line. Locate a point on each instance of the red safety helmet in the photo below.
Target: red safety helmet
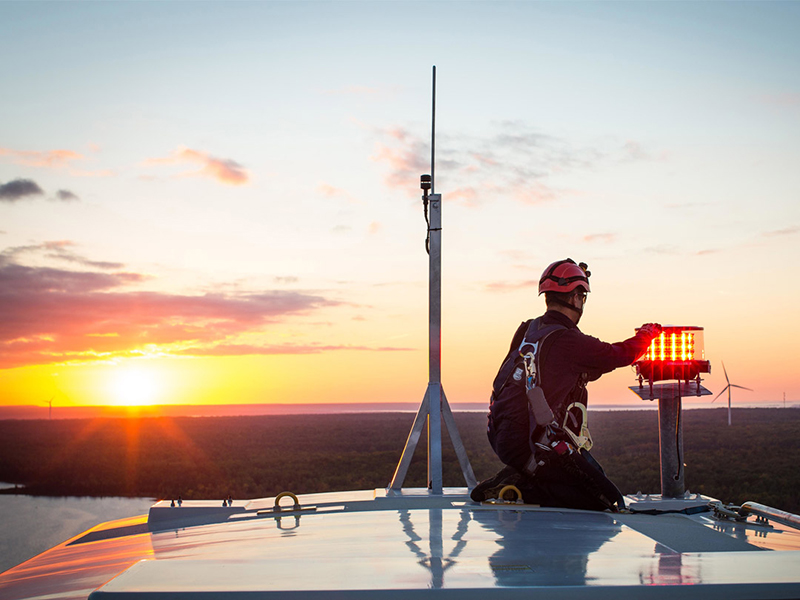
{"x": 564, "y": 276}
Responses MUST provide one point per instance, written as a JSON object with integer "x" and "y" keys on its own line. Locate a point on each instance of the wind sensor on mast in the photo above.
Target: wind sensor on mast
{"x": 434, "y": 406}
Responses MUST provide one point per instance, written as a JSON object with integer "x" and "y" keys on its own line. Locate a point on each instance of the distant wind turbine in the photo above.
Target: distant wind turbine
{"x": 50, "y": 407}
{"x": 728, "y": 387}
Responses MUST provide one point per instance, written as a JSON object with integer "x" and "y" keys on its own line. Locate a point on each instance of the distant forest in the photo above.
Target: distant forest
{"x": 756, "y": 458}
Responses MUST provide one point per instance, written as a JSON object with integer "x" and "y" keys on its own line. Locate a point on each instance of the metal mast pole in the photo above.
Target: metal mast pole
{"x": 435, "y": 320}
{"x": 433, "y": 133}
{"x": 670, "y": 445}
{"x": 434, "y": 405}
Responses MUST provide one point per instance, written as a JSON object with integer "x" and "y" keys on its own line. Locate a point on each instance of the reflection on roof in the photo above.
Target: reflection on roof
{"x": 371, "y": 544}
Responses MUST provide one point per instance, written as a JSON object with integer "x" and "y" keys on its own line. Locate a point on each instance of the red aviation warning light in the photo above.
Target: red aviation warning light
{"x": 677, "y": 353}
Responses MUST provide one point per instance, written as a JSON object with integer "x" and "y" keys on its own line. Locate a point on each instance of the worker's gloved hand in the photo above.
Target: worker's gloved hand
{"x": 651, "y": 330}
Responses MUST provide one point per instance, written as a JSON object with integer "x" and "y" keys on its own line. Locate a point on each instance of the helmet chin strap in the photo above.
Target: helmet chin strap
{"x": 575, "y": 308}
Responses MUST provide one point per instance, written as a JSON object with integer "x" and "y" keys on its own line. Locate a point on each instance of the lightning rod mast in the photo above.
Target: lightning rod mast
{"x": 434, "y": 406}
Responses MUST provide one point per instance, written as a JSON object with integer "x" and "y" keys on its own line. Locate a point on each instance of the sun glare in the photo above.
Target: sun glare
{"x": 134, "y": 386}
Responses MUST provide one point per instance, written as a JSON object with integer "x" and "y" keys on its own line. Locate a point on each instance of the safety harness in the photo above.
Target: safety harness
{"x": 546, "y": 435}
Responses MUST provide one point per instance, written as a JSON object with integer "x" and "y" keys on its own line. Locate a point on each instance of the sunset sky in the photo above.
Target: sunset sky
{"x": 219, "y": 202}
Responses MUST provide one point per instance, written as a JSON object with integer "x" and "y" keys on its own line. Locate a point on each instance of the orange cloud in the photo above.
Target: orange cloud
{"x": 785, "y": 231}
{"x": 248, "y": 349}
{"x": 504, "y": 286}
{"x": 53, "y": 315}
{"x": 331, "y": 191}
{"x": 224, "y": 170}
{"x": 84, "y": 173}
{"x": 600, "y": 237}
{"x": 52, "y": 159}
{"x": 467, "y": 195}
{"x": 406, "y": 156}
{"x": 47, "y": 159}
{"x": 406, "y": 165}
{"x": 534, "y": 193}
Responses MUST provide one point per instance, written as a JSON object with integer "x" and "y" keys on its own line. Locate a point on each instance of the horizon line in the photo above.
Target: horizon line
{"x": 33, "y": 412}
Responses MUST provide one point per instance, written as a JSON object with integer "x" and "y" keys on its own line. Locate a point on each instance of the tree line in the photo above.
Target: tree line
{"x": 260, "y": 456}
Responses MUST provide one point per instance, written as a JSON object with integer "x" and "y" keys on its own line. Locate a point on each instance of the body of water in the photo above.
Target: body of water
{"x": 29, "y": 525}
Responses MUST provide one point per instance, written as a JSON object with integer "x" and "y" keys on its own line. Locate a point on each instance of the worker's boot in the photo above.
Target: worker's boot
{"x": 490, "y": 488}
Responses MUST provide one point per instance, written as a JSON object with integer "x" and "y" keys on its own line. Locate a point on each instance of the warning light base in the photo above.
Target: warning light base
{"x": 668, "y": 391}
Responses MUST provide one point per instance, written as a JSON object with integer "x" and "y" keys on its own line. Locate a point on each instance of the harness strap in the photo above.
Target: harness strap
{"x": 529, "y": 350}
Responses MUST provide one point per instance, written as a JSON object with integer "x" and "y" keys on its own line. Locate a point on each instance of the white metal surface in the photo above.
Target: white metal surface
{"x": 385, "y": 544}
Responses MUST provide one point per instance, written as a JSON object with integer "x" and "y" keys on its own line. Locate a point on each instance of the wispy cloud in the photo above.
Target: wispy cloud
{"x": 467, "y": 195}
{"x": 248, "y": 349}
{"x": 406, "y": 156}
{"x": 224, "y": 170}
{"x": 49, "y": 159}
{"x": 512, "y": 161}
{"x": 506, "y": 286}
{"x": 534, "y": 192}
{"x": 330, "y": 191}
{"x": 633, "y": 151}
{"x": 286, "y": 279}
{"x": 516, "y": 254}
{"x": 86, "y": 173}
{"x": 60, "y": 250}
{"x": 53, "y": 315}
{"x": 19, "y": 189}
{"x": 662, "y": 249}
{"x": 782, "y": 232}
{"x": 605, "y": 238}
{"x": 66, "y": 196}
{"x": 52, "y": 159}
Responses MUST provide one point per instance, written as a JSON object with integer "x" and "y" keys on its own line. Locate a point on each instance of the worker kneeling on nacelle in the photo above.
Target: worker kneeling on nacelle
{"x": 537, "y": 411}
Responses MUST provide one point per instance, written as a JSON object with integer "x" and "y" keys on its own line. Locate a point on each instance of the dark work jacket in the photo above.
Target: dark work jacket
{"x": 568, "y": 353}
{"x": 567, "y": 360}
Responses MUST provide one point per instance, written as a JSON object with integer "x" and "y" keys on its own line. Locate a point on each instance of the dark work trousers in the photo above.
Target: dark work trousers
{"x": 575, "y": 481}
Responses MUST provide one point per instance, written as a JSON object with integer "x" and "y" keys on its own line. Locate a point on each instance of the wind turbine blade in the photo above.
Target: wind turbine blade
{"x": 720, "y": 394}
{"x": 741, "y": 387}
{"x": 726, "y": 373}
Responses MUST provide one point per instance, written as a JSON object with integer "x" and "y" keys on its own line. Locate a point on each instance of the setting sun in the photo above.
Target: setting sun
{"x": 135, "y": 386}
